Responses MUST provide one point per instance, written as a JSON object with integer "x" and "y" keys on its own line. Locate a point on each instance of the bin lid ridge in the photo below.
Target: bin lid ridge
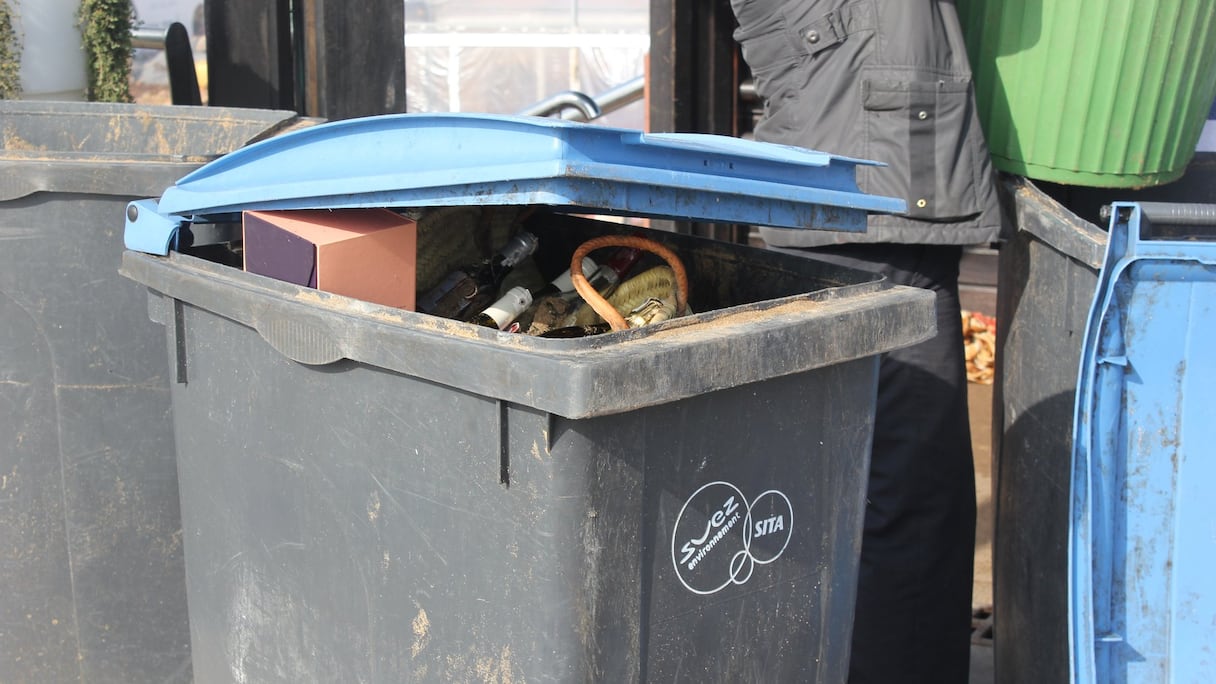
{"x": 570, "y": 133}
{"x": 519, "y": 183}
{"x": 427, "y": 160}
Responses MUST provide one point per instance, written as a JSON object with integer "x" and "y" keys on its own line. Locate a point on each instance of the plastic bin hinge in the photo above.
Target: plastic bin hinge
{"x": 149, "y": 231}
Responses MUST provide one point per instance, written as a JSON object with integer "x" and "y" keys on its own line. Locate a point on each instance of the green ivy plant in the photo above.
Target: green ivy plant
{"x": 10, "y": 54}
{"x": 105, "y": 26}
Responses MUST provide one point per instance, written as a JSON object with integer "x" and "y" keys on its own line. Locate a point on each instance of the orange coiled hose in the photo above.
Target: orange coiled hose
{"x": 597, "y": 302}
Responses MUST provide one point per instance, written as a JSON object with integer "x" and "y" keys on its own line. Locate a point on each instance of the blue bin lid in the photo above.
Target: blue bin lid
{"x": 1142, "y": 519}
{"x": 428, "y": 160}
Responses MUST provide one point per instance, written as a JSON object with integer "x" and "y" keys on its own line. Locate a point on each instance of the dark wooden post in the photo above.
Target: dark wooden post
{"x": 694, "y": 79}
{"x": 346, "y": 59}
{"x": 353, "y": 56}
{"x": 249, "y": 54}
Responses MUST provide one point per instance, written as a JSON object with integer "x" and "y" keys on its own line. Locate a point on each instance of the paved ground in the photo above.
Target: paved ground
{"x": 980, "y": 399}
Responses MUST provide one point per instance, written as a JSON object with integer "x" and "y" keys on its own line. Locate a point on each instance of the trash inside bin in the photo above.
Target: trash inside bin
{"x": 1140, "y": 556}
{"x": 90, "y": 542}
{"x": 377, "y": 494}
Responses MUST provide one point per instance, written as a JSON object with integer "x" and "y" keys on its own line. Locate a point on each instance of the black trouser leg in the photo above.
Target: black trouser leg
{"x": 913, "y": 617}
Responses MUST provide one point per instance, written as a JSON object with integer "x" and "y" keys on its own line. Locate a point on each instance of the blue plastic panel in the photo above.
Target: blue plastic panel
{"x": 426, "y": 160}
{"x": 1143, "y": 538}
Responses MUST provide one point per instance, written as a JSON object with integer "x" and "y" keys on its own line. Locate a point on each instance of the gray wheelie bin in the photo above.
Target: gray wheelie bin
{"x": 1048, "y": 274}
{"x": 374, "y": 494}
{"x": 90, "y": 538}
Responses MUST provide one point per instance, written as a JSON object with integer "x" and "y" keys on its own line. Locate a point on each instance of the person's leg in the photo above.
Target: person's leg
{"x": 913, "y": 616}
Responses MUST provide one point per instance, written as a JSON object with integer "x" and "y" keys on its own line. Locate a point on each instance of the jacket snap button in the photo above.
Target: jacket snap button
{"x": 922, "y": 115}
{"x": 921, "y": 203}
{"x": 812, "y": 37}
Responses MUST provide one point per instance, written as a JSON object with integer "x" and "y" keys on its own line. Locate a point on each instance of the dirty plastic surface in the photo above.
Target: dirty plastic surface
{"x": 1141, "y": 558}
{"x": 394, "y": 496}
{"x": 90, "y": 536}
{"x": 1048, "y": 273}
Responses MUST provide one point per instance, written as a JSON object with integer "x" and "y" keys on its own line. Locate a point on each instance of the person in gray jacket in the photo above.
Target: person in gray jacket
{"x": 888, "y": 80}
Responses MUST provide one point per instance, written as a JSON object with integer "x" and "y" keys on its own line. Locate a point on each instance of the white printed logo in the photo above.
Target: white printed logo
{"x": 720, "y": 537}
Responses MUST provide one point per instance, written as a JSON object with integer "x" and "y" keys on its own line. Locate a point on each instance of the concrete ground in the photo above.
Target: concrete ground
{"x": 980, "y": 400}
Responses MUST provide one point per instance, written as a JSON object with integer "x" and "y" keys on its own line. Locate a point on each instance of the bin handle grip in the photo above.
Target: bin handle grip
{"x": 597, "y": 302}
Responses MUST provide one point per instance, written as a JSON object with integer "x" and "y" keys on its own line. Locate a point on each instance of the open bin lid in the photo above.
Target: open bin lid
{"x": 1142, "y": 509}
{"x": 427, "y": 160}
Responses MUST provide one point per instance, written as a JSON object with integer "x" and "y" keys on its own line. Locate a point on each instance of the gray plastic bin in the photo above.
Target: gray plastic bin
{"x": 372, "y": 494}
{"x": 90, "y": 540}
{"x": 1048, "y": 275}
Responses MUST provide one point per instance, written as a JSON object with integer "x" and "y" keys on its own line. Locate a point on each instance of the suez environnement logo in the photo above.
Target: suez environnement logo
{"x": 720, "y": 537}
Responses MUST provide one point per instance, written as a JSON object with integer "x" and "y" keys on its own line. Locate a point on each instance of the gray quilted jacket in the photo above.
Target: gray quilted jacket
{"x": 886, "y": 80}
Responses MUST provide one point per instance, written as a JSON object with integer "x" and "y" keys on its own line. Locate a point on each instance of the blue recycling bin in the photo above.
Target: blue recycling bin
{"x": 1142, "y": 607}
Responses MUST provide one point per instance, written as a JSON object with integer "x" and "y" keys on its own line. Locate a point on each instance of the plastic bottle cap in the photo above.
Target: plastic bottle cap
{"x": 509, "y": 306}
{"x": 563, "y": 282}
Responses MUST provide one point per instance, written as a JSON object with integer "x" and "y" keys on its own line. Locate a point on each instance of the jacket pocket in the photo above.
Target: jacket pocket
{"x": 924, "y": 128}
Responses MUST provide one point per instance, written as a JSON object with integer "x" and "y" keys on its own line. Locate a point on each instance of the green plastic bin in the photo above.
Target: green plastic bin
{"x": 1105, "y": 93}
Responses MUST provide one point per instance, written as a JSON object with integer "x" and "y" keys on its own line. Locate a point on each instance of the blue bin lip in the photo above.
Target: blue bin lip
{"x": 1139, "y": 529}
{"x": 426, "y": 160}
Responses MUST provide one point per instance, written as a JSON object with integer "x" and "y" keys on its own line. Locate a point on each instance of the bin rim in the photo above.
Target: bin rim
{"x": 125, "y": 150}
{"x": 1054, "y": 225}
{"x": 602, "y": 375}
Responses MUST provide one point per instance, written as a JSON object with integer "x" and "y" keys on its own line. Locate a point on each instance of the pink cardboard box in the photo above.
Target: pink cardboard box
{"x": 367, "y": 254}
